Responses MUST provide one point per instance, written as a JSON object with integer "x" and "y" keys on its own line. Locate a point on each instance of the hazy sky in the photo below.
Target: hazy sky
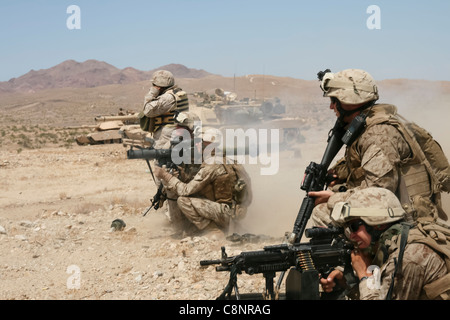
{"x": 397, "y": 39}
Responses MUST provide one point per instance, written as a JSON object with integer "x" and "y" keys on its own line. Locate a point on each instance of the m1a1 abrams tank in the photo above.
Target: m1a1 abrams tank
{"x": 121, "y": 128}
{"x": 223, "y": 110}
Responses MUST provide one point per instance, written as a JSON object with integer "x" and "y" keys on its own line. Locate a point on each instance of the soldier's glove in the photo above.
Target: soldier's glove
{"x": 152, "y": 94}
{"x": 162, "y": 174}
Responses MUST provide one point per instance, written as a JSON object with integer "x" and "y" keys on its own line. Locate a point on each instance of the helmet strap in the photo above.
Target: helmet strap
{"x": 376, "y": 231}
{"x": 344, "y": 113}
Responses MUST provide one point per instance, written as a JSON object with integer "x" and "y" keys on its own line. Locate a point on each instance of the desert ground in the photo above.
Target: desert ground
{"x": 57, "y": 205}
{"x": 58, "y": 199}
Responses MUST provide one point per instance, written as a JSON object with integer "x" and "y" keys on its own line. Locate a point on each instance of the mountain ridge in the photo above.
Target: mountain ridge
{"x": 88, "y": 74}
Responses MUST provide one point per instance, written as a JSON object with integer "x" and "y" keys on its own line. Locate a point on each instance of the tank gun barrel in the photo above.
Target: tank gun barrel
{"x": 129, "y": 117}
{"x": 78, "y": 127}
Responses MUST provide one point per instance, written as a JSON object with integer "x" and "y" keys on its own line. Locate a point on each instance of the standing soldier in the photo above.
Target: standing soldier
{"x": 162, "y": 103}
{"x": 384, "y": 153}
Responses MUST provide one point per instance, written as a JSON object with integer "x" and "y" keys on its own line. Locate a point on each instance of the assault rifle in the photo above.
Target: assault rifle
{"x": 327, "y": 249}
{"x": 316, "y": 178}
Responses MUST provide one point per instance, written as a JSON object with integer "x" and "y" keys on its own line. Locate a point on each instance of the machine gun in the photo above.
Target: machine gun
{"x": 327, "y": 249}
{"x": 316, "y": 178}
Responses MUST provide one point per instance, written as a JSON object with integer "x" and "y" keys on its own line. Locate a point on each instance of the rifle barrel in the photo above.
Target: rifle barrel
{"x": 210, "y": 262}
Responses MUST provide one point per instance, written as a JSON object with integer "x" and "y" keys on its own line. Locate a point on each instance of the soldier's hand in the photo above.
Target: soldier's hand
{"x": 335, "y": 277}
{"x": 332, "y": 178}
{"x": 157, "y": 170}
{"x": 152, "y": 94}
{"x": 161, "y": 173}
{"x": 320, "y": 196}
{"x": 360, "y": 263}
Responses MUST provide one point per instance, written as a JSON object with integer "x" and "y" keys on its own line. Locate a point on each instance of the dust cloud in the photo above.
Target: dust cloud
{"x": 427, "y": 104}
{"x": 277, "y": 198}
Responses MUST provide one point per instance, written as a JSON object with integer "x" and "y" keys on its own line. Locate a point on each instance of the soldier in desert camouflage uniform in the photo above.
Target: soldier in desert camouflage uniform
{"x": 186, "y": 123}
{"x": 206, "y": 201}
{"x": 380, "y": 156}
{"x": 373, "y": 220}
{"x": 161, "y": 104}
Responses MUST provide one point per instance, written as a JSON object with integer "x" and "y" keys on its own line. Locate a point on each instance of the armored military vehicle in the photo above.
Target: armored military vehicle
{"x": 121, "y": 128}
{"x": 223, "y": 110}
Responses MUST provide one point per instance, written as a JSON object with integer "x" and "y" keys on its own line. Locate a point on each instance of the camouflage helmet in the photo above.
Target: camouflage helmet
{"x": 350, "y": 86}
{"x": 163, "y": 78}
{"x": 118, "y": 225}
{"x": 209, "y": 134}
{"x": 375, "y": 206}
{"x": 219, "y": 92}
{"x": 187, "y": 119}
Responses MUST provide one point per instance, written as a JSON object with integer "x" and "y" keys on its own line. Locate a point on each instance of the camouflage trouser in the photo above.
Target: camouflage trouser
{"x": 320, "y": 215}
{"x": 202, "y": 211}
{"x": 176, "y": 216}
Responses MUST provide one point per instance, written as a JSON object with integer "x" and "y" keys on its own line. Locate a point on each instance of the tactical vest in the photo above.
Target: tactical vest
{"x": 221, "y": 188}
{"x": 241, "y": 190}
{"x": 418, "y": 189}
{"x": 435, "y": 235}
{"x": 181, "y": 104}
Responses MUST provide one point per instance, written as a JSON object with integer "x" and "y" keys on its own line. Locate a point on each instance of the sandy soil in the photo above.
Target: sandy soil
{"x": 56, "y": 209}
{"x": 56, "y": 243}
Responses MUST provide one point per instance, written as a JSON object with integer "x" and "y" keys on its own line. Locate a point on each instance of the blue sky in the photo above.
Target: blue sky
{"x": 234, "y": 37}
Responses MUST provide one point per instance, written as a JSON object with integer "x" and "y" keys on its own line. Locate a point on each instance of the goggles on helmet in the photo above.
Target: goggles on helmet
{"x": 325, "y": 80}
{"x": 329, "y": 82}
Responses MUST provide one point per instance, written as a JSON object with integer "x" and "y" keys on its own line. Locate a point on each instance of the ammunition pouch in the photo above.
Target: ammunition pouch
{"x": 146, "y": 124}
{"x": 224, "y": 185}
